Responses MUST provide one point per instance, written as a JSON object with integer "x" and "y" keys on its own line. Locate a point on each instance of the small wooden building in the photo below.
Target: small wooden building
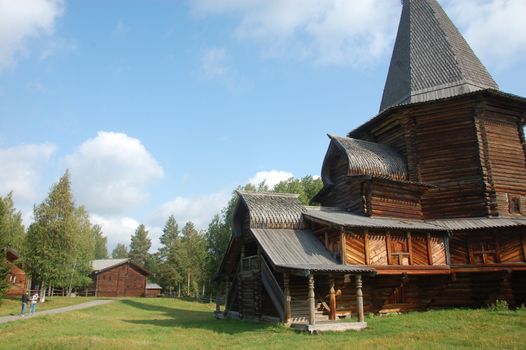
{"x": 119, "y": 278}
{"x": 423, "y": 206}
{"x": 17, "y": 278}
{"x": 153, "y": 290}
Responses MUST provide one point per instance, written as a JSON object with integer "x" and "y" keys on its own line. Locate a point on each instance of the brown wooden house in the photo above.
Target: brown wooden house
{"x": 423, "y": 206}
{"x": 16, "y": 278}
{"x": 119, "y": 278}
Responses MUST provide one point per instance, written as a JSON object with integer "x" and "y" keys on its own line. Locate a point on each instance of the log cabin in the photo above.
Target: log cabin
{"x": 16, "y": 278}
{"x": 119, "y": 278}
{"x": 423, "y": 206}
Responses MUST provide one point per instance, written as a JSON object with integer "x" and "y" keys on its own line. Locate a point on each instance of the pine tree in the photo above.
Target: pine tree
{"x": 139, "y": 246}
{"x": 120, "y": 251}
{"x": 101, "y": 249}
{"x": 192, "y": 255}
{"x": 169, "y": 271}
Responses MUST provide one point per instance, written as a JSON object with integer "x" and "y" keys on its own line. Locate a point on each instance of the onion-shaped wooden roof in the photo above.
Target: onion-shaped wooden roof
{"x": 362, "y": 158}
{"x": 272, "y": 210}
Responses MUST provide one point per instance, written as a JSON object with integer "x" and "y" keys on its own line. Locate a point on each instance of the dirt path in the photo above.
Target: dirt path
{"x": 59, "y": 310}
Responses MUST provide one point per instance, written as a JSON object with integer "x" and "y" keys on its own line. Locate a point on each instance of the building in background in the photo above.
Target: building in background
{"x": 119, "y": 278}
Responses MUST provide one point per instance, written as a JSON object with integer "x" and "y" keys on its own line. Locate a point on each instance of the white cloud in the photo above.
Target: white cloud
{"x": 326, "y": 31}
{"x": 110, "y": 173}
{"x": 271, "y": 177}
{"x": 118, "y": 229}
{"x": 21, "y": 168}
{"x": 198, "y": 209}
{"x": 24, "y": 20}
{"x": 213, "y": 63}
{"x": 496, "y": 29}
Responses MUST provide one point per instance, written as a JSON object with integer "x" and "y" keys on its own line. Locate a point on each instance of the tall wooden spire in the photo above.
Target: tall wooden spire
{"x": 431, "y": 59}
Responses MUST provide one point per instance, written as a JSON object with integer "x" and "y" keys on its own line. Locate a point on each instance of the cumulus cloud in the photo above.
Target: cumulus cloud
{"x": 198, "y": 209}
{"x": 21, "y": 21}
{"x": 110, "y": 173}
{"x": 326, "y": 31}
{"x": 118, "y": 229}
{"x": 271, "y": 178}
{"x": 495, "y": 29}
{"x": 21, "y": 168}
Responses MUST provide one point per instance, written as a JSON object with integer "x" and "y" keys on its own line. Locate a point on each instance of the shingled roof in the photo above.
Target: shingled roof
{"x": 431, "y": 59}
{"x": 272, "y": 210}
{"x": 300, "y": 250}
{"x": 369, "y": 158}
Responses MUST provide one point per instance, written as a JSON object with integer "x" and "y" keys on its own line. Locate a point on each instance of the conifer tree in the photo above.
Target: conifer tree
{"x": 101, "y": 249}
{"x": 139, "y": 246}
{"x": 120, "y": 251}
{"x": 169, "y": 264}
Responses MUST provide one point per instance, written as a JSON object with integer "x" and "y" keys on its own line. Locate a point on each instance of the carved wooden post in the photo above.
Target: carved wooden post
{"x": 332, "y": 300}
{"x": 312, "y": 301}
{"x": 286, "y": 302}
{"x": 359, "y": 298}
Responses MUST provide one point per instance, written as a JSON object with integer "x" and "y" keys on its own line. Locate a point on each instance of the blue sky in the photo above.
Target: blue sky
{"x": 164, "y": 107}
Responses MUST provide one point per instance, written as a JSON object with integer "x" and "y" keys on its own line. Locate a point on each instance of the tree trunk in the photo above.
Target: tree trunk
{"x": 42, "y": 293}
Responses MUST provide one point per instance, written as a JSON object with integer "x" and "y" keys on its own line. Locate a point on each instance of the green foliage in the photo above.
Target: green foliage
{"x": 192, "y": 257}
{"x": 51, "y": 239}
{"x": 307, "y": 187}
{"x": 169, "y": 267}
{"x": 120, "y": 251}
{"x": 101, "y": 249}
{"x": 4, "y": 269}
{"x": 499, "y": 306}
{"x": 12, "y": 229}
{"x": 139, "y": 246}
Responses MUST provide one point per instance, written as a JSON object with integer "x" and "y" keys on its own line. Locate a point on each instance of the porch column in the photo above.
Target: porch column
{"x": 332, "y": 300}
{"x": 312, "y": 301}
{"x": 286, "y": 297}
{"x": 359, "y": 298}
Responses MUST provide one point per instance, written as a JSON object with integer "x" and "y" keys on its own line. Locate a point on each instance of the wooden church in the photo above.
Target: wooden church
{"x": 423, "y": 206}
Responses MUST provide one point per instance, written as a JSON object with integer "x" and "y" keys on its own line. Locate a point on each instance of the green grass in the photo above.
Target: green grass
{"x": 12, "y": 306}
{"x": 174, "y": 324}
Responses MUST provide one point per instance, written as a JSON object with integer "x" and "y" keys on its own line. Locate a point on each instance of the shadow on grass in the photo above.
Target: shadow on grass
{"x": 185, "y": 318}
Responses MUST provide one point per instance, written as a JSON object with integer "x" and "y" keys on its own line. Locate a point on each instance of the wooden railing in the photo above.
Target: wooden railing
{"x": 272, "y": 287}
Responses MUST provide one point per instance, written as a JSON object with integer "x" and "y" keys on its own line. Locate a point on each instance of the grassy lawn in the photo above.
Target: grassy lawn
{"x": 12, "y": 306}
{"x": 174, "y": 324}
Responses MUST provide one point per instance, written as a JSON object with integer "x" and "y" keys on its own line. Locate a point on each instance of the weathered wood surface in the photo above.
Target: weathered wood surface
{"x": 121, "y": 281}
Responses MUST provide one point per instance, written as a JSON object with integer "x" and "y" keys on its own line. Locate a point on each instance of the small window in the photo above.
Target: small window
{"x": 515, "y": 204}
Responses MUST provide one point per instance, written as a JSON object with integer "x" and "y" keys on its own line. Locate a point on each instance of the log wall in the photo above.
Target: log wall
{"x": 380, "y": 248}
{"x": 395, "y": 199}
{"x": 121, "y": 281}
{"x": 503, "y": 246}
{"x": 505, "y": 163}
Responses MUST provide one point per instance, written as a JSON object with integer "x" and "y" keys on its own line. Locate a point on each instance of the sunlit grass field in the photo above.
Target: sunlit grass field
{"x": 174, "y": 324}
{"x": 12, "y": 306}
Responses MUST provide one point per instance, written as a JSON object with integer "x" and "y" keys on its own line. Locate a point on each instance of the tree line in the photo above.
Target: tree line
{"x": 59, "y": 245}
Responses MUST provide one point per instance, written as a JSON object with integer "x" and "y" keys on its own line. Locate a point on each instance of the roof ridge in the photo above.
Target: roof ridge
{"x": 268, "y": 193}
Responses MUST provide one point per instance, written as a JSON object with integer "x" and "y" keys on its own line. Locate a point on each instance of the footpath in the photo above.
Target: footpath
{"x": 59, "y": 310}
